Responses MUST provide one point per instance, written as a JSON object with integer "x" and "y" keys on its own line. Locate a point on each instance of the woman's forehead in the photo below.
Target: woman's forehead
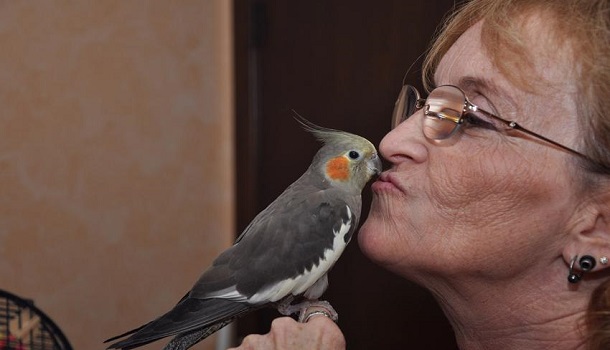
{"x": 541, "y": 62}
{"x": 466, "y": 57}
{"x": 544, "y": 80}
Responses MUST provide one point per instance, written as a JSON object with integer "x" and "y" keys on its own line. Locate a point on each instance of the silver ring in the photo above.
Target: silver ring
{"x": 316, "y": 313}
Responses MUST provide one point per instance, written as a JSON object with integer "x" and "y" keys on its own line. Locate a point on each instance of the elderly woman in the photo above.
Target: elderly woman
{"x": 498, "y": 195}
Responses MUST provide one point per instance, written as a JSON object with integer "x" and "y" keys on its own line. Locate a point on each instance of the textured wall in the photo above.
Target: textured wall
{"x": 115, "y": 156}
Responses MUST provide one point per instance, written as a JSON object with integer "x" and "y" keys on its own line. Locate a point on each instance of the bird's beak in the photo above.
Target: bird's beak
{"x": 374, "y": 165}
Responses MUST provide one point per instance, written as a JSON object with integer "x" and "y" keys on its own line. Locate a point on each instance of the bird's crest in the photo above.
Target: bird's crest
{"x": 327, "y": 135}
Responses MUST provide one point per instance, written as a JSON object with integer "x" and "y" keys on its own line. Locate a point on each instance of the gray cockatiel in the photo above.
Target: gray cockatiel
{"x": 284, "y": 253}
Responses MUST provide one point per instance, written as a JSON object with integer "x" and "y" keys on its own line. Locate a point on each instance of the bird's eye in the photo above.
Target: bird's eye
{"x": 354, "y": 155}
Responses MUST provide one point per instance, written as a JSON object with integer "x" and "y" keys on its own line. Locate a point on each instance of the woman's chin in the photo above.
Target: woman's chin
{"x": 374, "y": 241}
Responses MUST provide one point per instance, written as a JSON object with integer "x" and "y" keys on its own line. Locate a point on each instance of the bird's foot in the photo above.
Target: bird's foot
{"x": 284, "y": 307}
{"x": 308, "y": 308}
{"x": 312, "y": 308}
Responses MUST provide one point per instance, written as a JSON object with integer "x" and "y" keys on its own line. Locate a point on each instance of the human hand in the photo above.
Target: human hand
{"x": 319, "y": 332}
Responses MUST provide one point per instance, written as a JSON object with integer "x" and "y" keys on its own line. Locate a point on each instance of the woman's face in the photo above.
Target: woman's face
{"x": 482, "y": 204}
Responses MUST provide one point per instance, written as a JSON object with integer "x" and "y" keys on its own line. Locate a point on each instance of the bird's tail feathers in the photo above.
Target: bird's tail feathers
{"x": 186, "y": 340}
{"x": 126, "y": 333}
{"x": 189, "y": 315}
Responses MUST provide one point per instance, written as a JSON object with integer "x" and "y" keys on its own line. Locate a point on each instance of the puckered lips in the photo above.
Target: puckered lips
{"x": 387, "y": 181}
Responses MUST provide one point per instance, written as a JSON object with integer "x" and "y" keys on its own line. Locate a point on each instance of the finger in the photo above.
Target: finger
{"x": 253, "y": 341}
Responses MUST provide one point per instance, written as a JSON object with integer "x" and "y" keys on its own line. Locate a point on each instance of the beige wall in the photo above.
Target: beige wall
{"x": 115, "y": 156}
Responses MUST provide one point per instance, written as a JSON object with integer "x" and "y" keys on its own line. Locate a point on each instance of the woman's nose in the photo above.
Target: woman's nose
{"x": 405, "y": 142}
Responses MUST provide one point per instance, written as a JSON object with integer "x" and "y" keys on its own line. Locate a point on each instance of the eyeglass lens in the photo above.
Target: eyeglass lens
{"x": 443, "y": 110}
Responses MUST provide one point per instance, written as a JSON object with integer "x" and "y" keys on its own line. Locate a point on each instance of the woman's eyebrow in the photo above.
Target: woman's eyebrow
{"x": 488, "y": 88}
{"x": 470, "y": 83}
{"x": 497, "y": 96}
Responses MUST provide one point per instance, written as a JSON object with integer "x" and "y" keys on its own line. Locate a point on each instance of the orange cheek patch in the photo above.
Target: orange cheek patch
{"x": 338, "y": 168}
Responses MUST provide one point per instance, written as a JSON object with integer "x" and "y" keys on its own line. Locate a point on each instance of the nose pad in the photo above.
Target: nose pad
{"x": 414, "y": 101}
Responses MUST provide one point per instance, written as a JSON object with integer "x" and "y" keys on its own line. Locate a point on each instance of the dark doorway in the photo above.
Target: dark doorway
{"x": 339, "y": 64}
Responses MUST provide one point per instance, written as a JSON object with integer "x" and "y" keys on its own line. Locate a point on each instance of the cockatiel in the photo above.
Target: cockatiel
{"x": 284, "y": 253}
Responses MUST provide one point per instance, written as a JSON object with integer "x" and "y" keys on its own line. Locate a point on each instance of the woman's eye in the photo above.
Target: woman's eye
{"x": 478, "y": 122}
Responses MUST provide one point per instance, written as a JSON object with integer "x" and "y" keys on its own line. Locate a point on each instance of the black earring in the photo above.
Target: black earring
{"x": 586, "y": 263}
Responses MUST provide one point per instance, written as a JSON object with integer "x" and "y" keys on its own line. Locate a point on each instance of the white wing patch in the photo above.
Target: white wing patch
{"x": 303, "y": 282}
{"x": 230, "y": 293}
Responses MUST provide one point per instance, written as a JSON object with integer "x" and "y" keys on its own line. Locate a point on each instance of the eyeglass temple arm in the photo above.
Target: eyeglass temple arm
{"x": 515, "y": 126}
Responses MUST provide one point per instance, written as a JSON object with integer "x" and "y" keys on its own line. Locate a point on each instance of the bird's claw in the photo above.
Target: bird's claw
{"x": 306, "y": 309}
{"x": 317, "y": 307}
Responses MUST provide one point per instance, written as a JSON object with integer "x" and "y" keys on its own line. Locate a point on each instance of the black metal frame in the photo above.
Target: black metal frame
{"x": 51, "y": 337}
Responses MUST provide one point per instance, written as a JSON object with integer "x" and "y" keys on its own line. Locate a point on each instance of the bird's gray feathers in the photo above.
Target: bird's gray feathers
{"x": 286, "y": 250}
{"x": 299, "y": 229}
{"x": 188, "y": 315}
{"x": 187, "y": 339}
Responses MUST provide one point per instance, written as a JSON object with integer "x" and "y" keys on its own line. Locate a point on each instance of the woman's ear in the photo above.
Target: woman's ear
{"x": 590, "y": 235}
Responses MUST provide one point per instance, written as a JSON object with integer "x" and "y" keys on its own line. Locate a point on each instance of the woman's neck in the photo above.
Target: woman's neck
{"x": 492, "y": 316}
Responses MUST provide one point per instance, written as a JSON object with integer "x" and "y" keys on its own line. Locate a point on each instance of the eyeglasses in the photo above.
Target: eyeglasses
{"x": 447, "y": 108}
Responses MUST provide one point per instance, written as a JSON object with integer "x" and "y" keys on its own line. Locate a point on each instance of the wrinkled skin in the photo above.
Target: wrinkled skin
{"x": 286, "y": 334}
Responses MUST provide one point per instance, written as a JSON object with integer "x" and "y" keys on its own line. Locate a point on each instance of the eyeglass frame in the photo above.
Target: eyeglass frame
{"x": 400, "y": 108}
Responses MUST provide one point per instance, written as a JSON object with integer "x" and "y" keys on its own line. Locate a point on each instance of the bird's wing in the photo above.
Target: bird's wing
{"x": 285, "y": 242}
